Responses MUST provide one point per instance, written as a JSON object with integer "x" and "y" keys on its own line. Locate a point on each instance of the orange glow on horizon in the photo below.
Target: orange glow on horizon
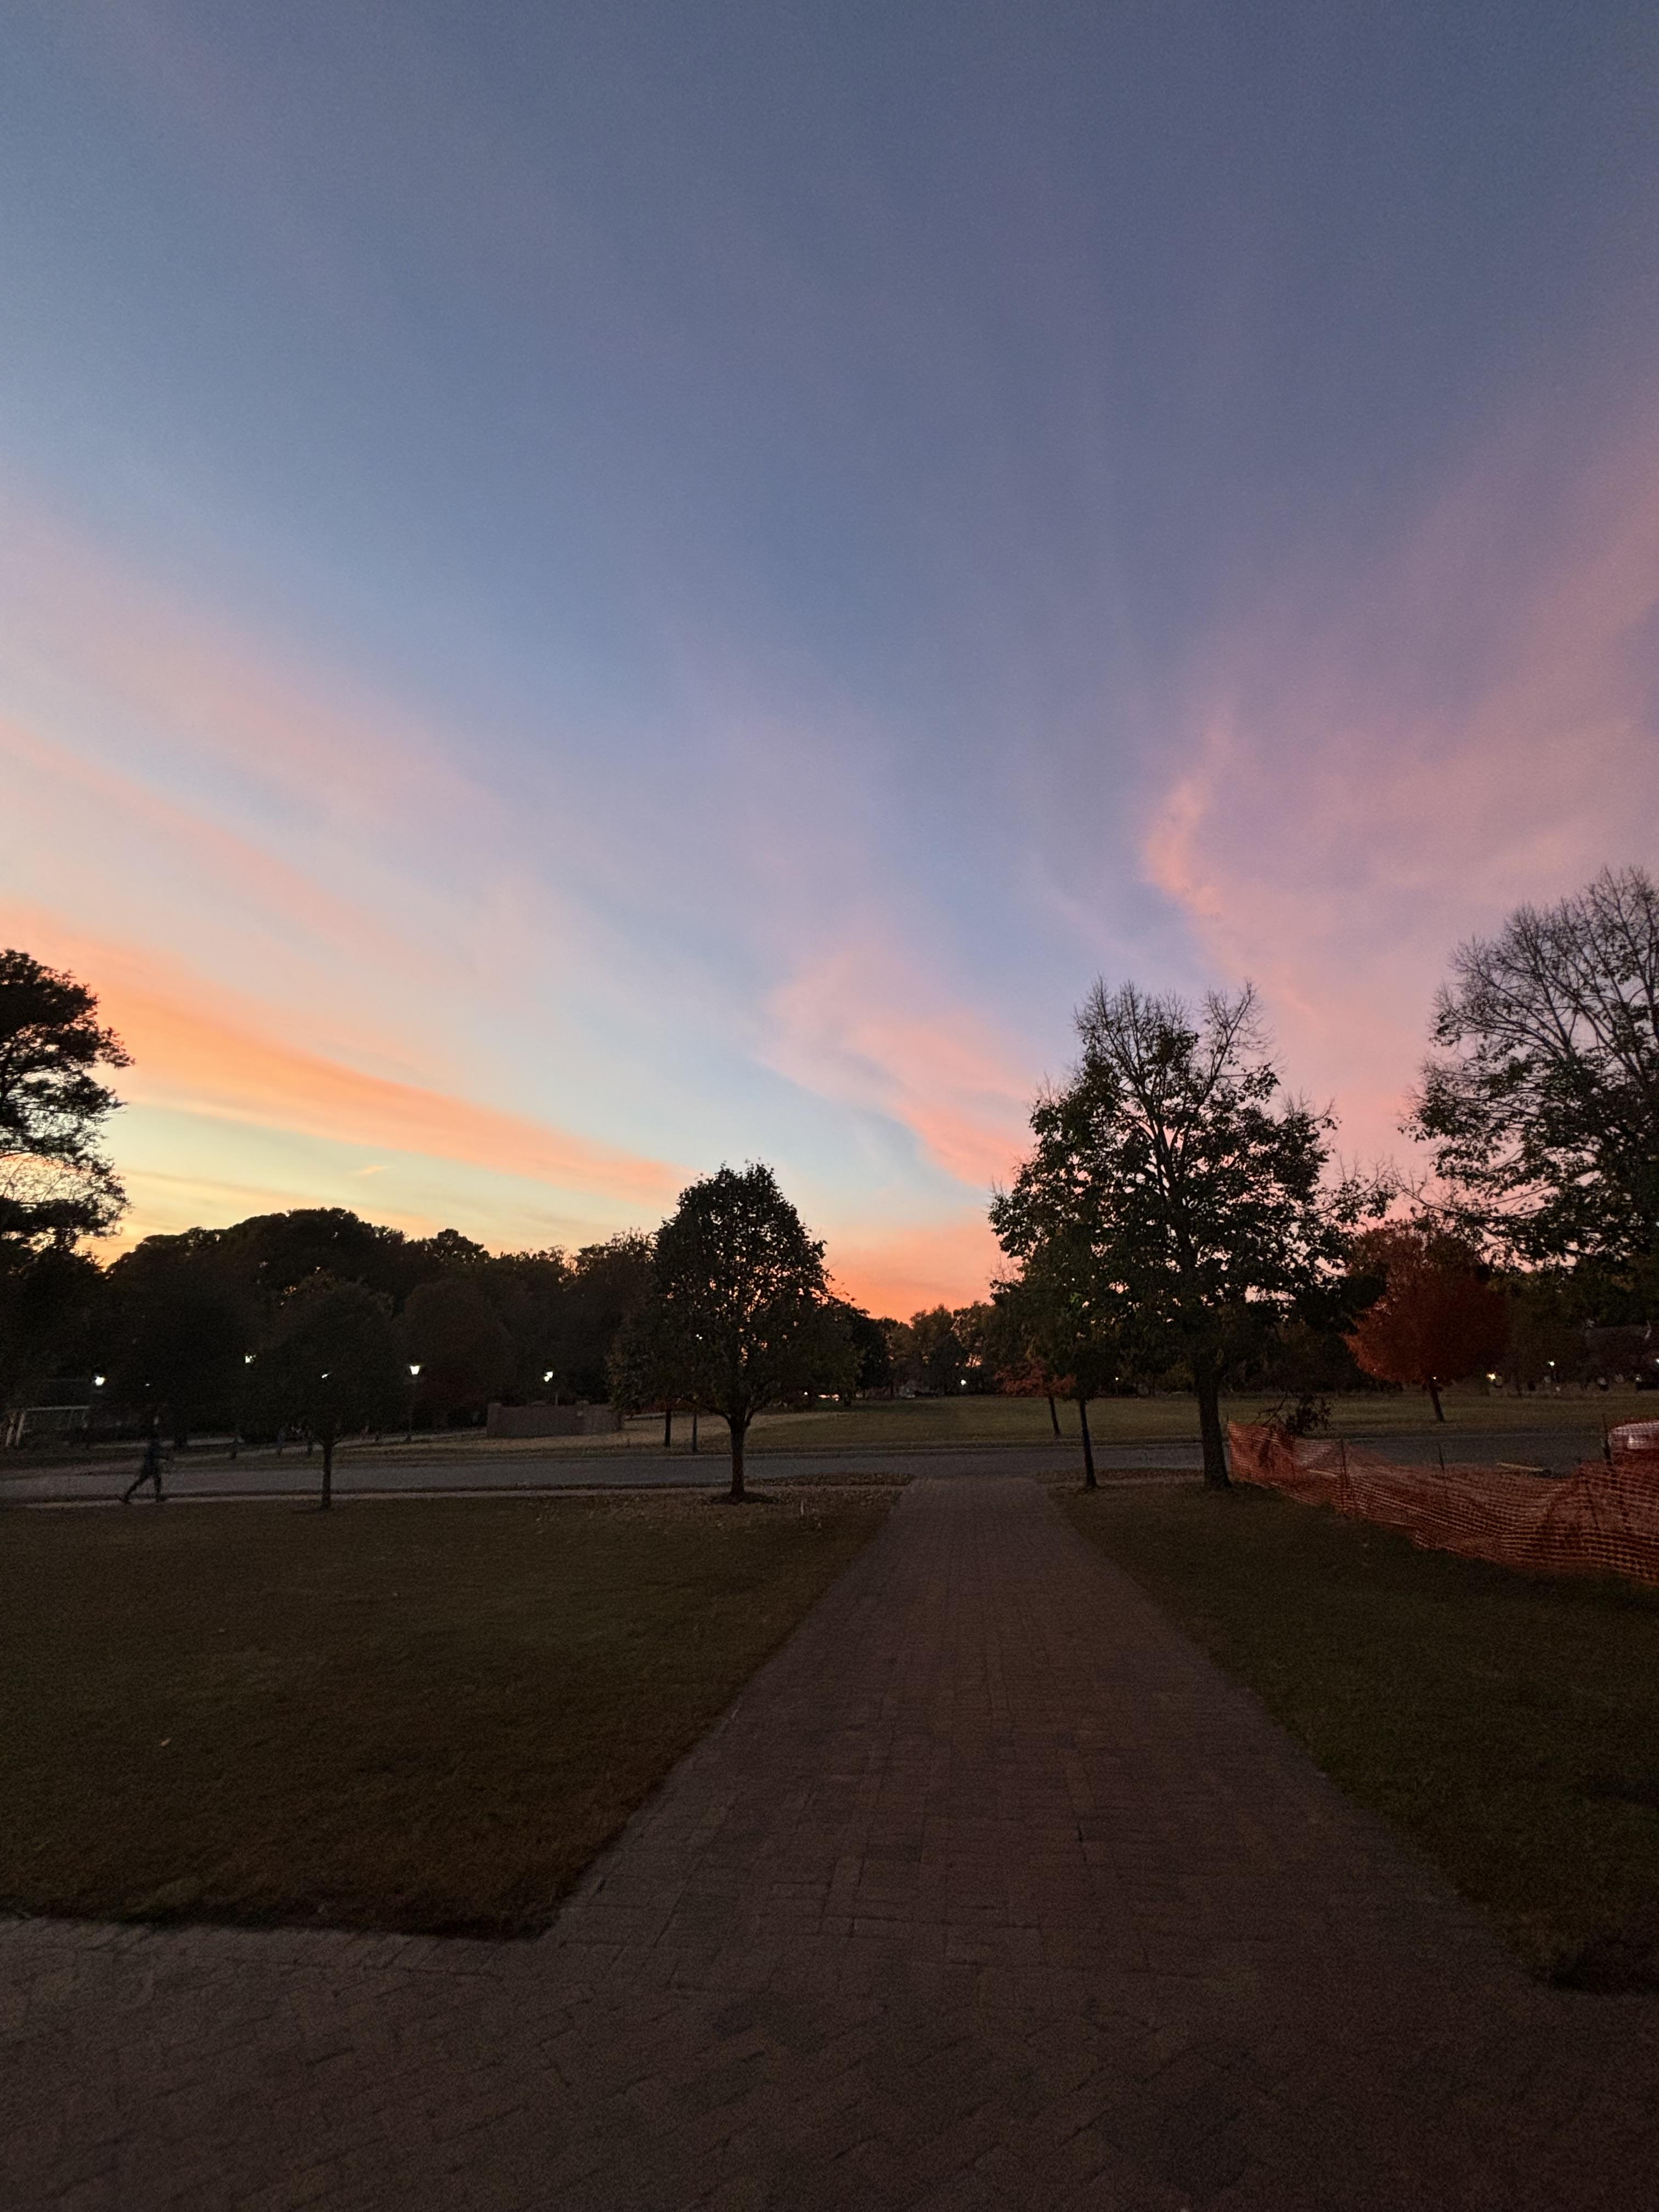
{"x": 193, "y": 1053}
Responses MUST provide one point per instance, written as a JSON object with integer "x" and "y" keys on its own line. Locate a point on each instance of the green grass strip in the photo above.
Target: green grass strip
{"x": 420, "y": 1714}
{"x": 1508, "y": 1724}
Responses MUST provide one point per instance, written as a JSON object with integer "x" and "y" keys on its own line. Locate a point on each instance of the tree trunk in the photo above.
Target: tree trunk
{"x": 1054, "y": 1414}
{"x": 1207, "y": 1388}
{"x": 328, "y": 1473}
{"x": 1434, "y": 1399}
{"x": 738, "y": 1425}
{"x": 1089, "y": 1482}
{"x": 667, "y": 1426}
{"x": 694, "y": 1428}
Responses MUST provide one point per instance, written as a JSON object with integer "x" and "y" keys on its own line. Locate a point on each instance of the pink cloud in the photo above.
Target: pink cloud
{"x": 856, "y": 1026}
{"x": 200, "y": 1050}
{"x": 209, "y": 692}
{"x": 110, "y": 835}
{"x": 1474, "y": 729}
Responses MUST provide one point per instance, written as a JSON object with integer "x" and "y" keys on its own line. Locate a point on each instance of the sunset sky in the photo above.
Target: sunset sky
{"x": 590, "y": 590}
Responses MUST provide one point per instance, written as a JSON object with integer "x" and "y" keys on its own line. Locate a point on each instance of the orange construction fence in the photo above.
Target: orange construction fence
{"x": 1602, "y": 1519}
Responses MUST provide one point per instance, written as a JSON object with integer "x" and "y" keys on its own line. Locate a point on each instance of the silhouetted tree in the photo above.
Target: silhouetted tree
{"x": 1544, "y": 1111}
{"x": 49, "y": 1302}
{"x": 608, "y": 1282}
{"x": 277, "y": 1252}
{"x": 55, "y": 1186}
{"x": 738, "y": 1300}
{"x": 1072, "y": 1322}
{"x": 530, "y": 1292}
{"x": 1545, "y": 1341}
{"x": 971, "y": 1326}
{"x": 937, "y": 1354}
{"x": 1011, "y": 1347}
{"x": 332, "y": 1365}
{"x": 869, "y": 1339}
{"x": 449, "y": 1329}
{"x": 1166, "y": 1160}
{"x": 179, "y": 1321}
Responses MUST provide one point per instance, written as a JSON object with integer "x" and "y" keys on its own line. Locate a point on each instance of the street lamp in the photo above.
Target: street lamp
{"x": 414, "y": 1377}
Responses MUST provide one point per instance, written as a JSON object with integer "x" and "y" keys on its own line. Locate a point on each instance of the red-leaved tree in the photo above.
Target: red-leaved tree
{"x": 1439, "y": 1319}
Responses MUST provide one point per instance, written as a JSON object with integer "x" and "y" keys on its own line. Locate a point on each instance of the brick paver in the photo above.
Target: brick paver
{"x": 990, "y": 1891}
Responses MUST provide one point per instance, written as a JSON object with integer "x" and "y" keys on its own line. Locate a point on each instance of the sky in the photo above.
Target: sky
{"x": 590, "y": 591}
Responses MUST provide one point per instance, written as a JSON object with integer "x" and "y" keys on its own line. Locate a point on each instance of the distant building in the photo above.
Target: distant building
{"x": 544, "y": 1421}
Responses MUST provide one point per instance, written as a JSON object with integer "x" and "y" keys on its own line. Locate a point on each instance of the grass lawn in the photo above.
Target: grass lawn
{"x": 1174, "y": 1417}
{"x": 421, "y": 1714}
{"x": 911, "y": 1423}
{"x": 1509, "y": 1725}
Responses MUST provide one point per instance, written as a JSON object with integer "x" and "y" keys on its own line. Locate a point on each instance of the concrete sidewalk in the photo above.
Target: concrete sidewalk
{"x": 990, "y": 1891}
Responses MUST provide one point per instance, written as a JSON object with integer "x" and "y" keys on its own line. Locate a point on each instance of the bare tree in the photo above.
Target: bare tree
{"x": 1544, "y": 1106}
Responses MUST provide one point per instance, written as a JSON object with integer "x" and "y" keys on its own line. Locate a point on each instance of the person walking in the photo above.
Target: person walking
{"x": 150, "y": 1470}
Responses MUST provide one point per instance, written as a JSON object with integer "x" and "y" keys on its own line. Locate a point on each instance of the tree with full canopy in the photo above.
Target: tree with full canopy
{"x": 332, "y": 1365}
{"x": 55, "y": 1185}
{"x": 1439, "y": 1317}
{"x": 1178, "y": 1185}
{"x": 738, "y": 1314}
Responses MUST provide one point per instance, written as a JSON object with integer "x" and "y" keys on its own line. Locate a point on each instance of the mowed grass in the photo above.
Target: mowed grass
{"x": 1172, "y": 1417}
{"x": 421, "y": 1715}
{"x": 1508, "y": 1724}
{"x": 920, "y": 1424}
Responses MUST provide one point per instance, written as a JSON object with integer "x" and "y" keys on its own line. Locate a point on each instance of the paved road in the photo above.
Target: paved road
{"x": 990, "y": 1891}
{"x": 294, "y": 1474}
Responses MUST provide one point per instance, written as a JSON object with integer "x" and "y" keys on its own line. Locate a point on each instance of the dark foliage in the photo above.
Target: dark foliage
{"x": 740, "y": 1315}
{"x": 1168, "y": 1179}
{"x": 1544, "y": 1108}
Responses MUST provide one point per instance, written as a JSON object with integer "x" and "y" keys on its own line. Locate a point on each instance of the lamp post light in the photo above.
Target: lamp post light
{"x": 414, "y": 1377}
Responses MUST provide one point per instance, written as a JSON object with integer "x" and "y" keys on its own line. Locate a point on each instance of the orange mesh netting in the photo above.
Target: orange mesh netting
{"x": 1603, "y": 1519}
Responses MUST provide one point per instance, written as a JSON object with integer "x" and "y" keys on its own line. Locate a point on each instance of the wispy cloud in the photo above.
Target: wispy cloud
{"x": 199, "y": 1052}
{"x": 1473, "y": 728}
{"x": 861, "y": 1026}
{"x": 84, "y": 623}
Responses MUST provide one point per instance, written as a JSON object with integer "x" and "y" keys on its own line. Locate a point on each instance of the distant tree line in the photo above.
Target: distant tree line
{"x": 1179, "y": 1222}
{"x": 318, "y": 1324}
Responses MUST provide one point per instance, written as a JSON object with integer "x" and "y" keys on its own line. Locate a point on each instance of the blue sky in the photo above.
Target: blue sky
{"x": 590, "y": 591}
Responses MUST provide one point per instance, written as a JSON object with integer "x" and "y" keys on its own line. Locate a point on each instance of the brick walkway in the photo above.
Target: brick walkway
{"x": 990, "y": 1891}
